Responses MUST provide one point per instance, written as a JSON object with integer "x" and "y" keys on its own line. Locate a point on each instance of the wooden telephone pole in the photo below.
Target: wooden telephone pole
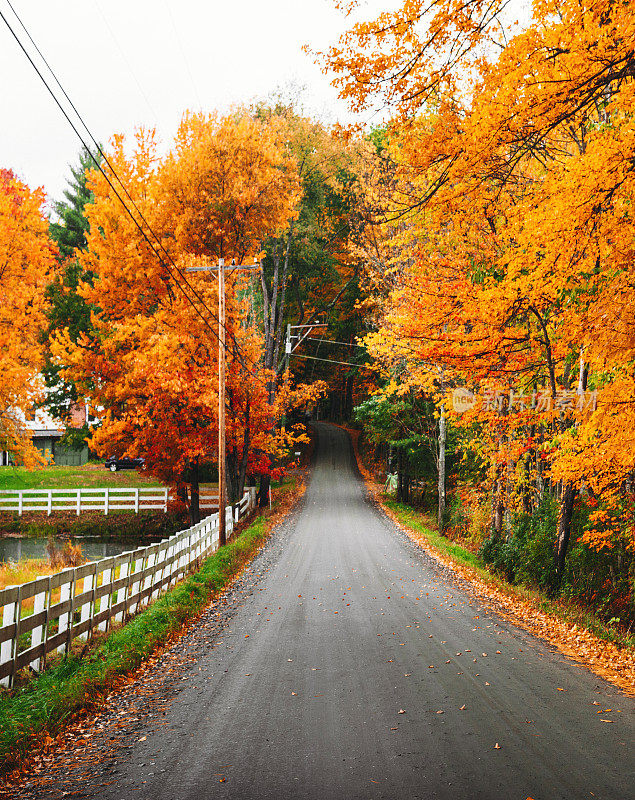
{"x": 222, "y": 482}
{"x": 222, "y": 486}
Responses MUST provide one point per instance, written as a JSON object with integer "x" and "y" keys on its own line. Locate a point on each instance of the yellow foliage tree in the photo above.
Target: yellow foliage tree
{"x": 27, "y": 261}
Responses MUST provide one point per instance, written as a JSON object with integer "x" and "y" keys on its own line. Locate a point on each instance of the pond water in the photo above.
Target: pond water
{"x": 93, "y": 547}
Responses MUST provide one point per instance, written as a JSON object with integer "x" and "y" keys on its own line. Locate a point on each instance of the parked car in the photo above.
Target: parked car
{"x": 113, "y": 463}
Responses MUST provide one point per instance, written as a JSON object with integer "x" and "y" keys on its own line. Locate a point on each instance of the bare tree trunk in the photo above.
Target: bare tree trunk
{"x": 564, "y": 528}
{"x": 242, "y": 471}
{"x": 195, "y": 509}
{"x": 498, "y": 505}
{"x": 263, "y": 491}
{"x": 526, "y": 487}
{"x": 181, "y": 491}
{"x": 231, "y": 475}
{"x": 283, "y": 296}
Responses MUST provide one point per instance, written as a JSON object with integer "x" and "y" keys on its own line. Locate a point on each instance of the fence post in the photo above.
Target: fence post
{"x": 106, "y": 499}
{"x": 165, "y": 502}
{"x": 39, "y": 634}
{"x": 87, "y": 608}
{"x": 123, "y": 573}
{"x": 134, "y": 587}
{"x": 136, "y": 501}
{"x": 6, "y": 648}
{"x": 171, "y": 554}
{"x": 160, "y": 570}
{"x": 106, "y": 599}
{"x": 147, "y": 583}
{"x": 66, "y": 593}
{"x": 50, "y": 502}
{"x": 20, "y": 503}
{"x": 79, "y": 502}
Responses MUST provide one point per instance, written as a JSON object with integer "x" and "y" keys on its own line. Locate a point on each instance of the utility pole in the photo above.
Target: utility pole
{"x": 222, "y": 483}
{"x": 222, "y": 489}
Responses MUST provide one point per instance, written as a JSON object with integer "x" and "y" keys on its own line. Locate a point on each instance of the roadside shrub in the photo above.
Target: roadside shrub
{"x": 526, "y": 553}
{"x": 457, "y": 518}
{"x": 602, "y": 580}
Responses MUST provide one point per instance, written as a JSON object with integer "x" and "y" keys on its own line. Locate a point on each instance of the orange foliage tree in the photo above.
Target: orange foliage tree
{"x": 514, "y": 154}
{"x": 151, "y": 360}
{"x": 27, "y": 261}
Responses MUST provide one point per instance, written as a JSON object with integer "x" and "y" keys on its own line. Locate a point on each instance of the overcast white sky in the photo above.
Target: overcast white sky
{"x": 143, "y": 62}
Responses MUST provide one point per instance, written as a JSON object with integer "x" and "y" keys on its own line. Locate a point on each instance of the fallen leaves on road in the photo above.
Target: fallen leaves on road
{"x": 603, "y": 658}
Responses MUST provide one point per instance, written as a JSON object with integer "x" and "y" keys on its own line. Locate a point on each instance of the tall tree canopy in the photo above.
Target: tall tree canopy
{"x": 508, "y": 236}
{"x": 152, "y": 360}
{"x": 67, "y": 309}
{"x": 27, "y": 263}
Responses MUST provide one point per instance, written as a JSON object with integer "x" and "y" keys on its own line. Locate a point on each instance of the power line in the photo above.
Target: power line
{"x": 124, "y": 58}
{"x": 120, "y": 182}
{"x": 99, "y": 149}
{"x": 332, "y": 361}
{"x": 183, "y": 55}
{"x": 332, "y": 341}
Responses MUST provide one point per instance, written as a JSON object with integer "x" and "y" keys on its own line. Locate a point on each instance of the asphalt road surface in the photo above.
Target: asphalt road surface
{"x": 347, "y": 665}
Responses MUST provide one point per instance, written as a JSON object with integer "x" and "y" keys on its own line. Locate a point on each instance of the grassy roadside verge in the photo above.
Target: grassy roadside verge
{"x": 567, "y": 612}
{"x": 50, "y": 700}
{"x": 576, "y": 633}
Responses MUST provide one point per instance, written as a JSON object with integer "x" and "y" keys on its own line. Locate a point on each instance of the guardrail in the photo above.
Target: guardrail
{"x": 105, "y": 499}
{"x": 74, "y": 602}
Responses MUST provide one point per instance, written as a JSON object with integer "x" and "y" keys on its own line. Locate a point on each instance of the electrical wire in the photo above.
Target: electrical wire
{"x": 99, "y": 149}
{"x": 332, "y": 361}
{"x": 332, "y": 341}
{"x": 123, "y": 57}
{"x": 183, "y": 55}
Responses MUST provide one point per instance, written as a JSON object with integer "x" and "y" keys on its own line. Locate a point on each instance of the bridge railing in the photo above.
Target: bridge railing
{"x": 47, "y": 614}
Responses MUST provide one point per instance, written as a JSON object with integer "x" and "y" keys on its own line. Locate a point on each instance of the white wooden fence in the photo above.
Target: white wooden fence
{"x": 77, "y": 601}
{"x": 106, "y": 499}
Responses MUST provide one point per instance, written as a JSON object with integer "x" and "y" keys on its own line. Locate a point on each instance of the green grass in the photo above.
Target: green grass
{"x": 415, "y": 520}
{"x": 46, "y": 703}
{"x": 90, "y": 476}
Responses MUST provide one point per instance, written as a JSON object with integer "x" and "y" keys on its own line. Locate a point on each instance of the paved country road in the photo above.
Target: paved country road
{"x": 345, "y": 665}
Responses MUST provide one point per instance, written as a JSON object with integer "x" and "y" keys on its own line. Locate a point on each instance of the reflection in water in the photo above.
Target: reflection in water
{"x": 93, "y": 548}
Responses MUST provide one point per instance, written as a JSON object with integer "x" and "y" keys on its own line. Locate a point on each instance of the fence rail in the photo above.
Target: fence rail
{"x": 105, "y": 499}
{"x": 75, "y": 602}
